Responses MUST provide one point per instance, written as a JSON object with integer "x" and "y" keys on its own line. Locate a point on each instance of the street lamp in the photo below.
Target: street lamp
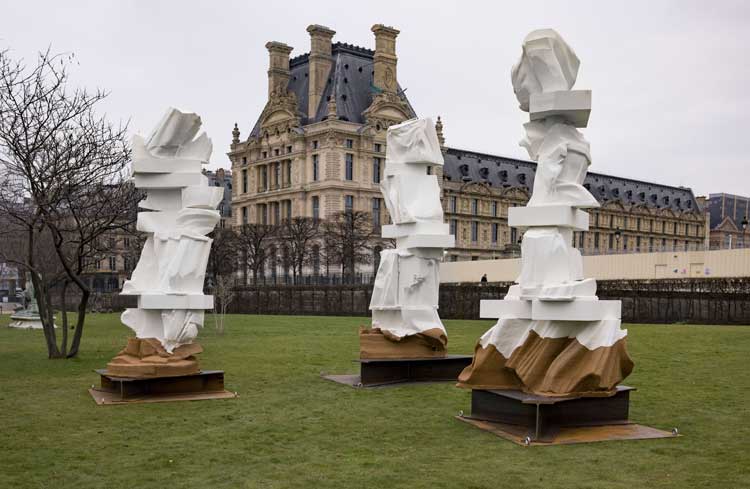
{"x": 743, "y": 224}
{"x": 618, "y": 235}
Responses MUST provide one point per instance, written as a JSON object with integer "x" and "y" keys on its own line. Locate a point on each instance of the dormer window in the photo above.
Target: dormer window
{"x": 521, "y": 178}
{"x": 484, "y": 173}
{"x": 503, "y": 174}
{"x": 464, "y": 169}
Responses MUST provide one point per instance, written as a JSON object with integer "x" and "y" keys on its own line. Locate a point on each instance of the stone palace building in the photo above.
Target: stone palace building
{"x": 318, "y": 148}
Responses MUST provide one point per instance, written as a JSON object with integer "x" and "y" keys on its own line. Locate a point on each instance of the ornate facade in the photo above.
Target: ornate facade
{"x": 318, "y": 148}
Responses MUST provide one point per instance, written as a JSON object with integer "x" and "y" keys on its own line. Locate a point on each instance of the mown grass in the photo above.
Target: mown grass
{"x": 290, "y": 428}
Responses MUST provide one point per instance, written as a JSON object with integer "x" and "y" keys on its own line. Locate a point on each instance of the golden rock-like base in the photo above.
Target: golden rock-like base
{"x": 374, "y": 343}
{"x": 550, "y": 367}
{"x": 147, "y": 358}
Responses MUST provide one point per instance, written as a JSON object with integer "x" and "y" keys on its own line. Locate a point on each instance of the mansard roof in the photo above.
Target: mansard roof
{"x": 350, "y": 81}
{"x": 503, "y": 172}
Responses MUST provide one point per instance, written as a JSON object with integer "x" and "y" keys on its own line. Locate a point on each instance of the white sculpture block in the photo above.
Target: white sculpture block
{"x": 573, "y": 106}
{"x": 549, "y": 215}
{"x": 170, "y": 274}
{"x": 551, "y": 296}
{"x": 405, "y": 293}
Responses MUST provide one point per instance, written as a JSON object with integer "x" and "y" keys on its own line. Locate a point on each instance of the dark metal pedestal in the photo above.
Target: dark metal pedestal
{"x": 208, "y": 384}
{"x": 387, "y": 371}
{"x": 531, "y": 419}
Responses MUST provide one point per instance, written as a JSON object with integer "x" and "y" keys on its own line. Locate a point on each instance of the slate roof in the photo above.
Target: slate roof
{"x": 350, "y": 82}
{"x": 501, "y": 171}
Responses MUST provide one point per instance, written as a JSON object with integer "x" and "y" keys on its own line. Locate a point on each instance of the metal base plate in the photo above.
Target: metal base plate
{"x": 207, "y": 384}
{"x": 570, "y": 435}
{"x": 393, "y": 371}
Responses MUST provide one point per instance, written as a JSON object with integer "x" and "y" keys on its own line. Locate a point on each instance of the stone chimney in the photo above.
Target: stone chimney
{"x": 385, "y": 58}
{"x": 278, "y": 67}
{"x": 320, "y": 62}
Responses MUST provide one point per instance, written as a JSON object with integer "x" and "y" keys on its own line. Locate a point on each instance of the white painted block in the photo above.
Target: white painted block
{"x": 173, "y": 301}
{"x": 498, "y": 309}
{"x": 166, "y": 165}
{"x": 168, "y": 180}
{"x": 427, "y": 241}
{"x": 548, "y": 215}
{"x": 408, "y": 229}
{"x": 572, "y": 105}
{"x": 577, "y": 310}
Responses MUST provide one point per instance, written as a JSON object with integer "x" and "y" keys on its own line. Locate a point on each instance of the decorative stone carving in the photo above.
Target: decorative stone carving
{"x": 553, "y": 336}
{"x": 405, "y": 293}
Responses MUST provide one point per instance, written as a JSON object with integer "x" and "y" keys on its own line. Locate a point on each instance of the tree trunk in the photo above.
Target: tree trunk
{"x": 79, "y": 323}
{"x": 64, "y": 314}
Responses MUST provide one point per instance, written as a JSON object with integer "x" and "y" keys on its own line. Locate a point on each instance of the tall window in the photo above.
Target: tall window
{"x": 349, "y": 143}
{"x": 244, "y": 181}
{"x": 474, "y": 231}
{"x": 596, "y": 241}
{"x": 288, "y": 173}
{"x": 513, "y": 235}
{"x": 376, "y": 170}
{"x": 349, "y": 166}
{"x": 375, "y": 212}
{"x": 453, "y": 203}
{"x": 611, "y": 241}
{"x": 494, "y": 208}
{"x": 316, "y": 208}
{"x": 475, "y": 206}
{"x": 264, "y": 177}
{"x": 276, "y": 213}
{"x": 262, "y": 217}
{"x": 348, "y": 203}
{"x": 495, "y": 228}
{"x": 316, "y": 260}
{"x": 580, "y": 239}
{"x": 315, "y": 168}
{"x": 315, "y": 144}
{"x": 377, "y": 147}
{"x": 244, "y": 215}
{"x": 289, "y": 209}
{"x": 453, "y": 226}
{"x": 112, "y": 263}
{"x": 276, "y": 174}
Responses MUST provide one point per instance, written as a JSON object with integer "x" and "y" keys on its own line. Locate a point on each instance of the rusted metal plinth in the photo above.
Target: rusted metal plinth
{"x": 530, "y": 419}
{"x": 208, "y": 384}
{"x": 378, "y": 372}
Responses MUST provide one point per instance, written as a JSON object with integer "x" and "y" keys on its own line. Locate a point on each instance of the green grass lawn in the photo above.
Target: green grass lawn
{"x": 290, "y": 428}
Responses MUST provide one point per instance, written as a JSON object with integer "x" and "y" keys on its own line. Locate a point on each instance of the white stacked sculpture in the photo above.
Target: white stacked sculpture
{"x": 553, "y": 335}
{"x": 405, "y": 321}
{"x": 168, "y": 280}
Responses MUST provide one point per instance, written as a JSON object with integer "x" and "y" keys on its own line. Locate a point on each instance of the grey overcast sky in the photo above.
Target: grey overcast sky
{"x": 670, "y": 79}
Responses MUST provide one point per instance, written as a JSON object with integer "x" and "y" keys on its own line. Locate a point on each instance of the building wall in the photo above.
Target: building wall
{"x": 691, "y": 264}
{"x": 641, "y": 229}
{"x": 288, "y": 138}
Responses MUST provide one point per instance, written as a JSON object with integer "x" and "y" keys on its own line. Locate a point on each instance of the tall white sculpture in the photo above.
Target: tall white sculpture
{"x": 180, "y": 210}
{"x": 553, "y": 335}
{"x": 405, "y": 294}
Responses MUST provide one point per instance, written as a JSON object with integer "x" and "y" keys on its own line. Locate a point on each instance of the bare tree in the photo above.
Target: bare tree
{"x": 348, "y": 236}
{"x": 299, "y": 234}
{"x": 253, "y": 239}
{"x": 223, "y": 261}
{"x": 63, "y": 172}
{"x": 223, "y": 297}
